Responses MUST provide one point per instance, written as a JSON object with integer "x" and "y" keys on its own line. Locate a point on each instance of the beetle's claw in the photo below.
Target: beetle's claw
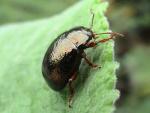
{"x": 70, "y": 102}
{"x": 70, "y": 106}
{"x": 96, "y": 66}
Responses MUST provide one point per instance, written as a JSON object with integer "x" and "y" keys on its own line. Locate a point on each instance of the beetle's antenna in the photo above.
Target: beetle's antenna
{"x": 91, "y": 26}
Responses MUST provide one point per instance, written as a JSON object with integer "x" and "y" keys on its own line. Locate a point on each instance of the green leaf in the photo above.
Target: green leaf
{"x": 22, "y": 47}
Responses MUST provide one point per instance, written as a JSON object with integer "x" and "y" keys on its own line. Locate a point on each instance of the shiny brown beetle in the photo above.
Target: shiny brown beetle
{"x": 62, "y": 59}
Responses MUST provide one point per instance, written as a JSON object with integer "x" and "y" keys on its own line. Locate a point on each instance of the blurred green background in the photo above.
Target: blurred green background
{"x": 130, "y": 17}
{"x": 23, "y": 10}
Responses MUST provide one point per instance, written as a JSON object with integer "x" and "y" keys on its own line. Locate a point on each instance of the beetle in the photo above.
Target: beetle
{"x": 63, "y": 57}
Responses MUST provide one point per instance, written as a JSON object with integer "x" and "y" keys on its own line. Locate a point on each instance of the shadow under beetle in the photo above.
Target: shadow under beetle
{"x": 63, "y": 57}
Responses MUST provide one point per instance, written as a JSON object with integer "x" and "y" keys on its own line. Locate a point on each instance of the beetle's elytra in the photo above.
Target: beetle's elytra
{"x": 63, "y": 57}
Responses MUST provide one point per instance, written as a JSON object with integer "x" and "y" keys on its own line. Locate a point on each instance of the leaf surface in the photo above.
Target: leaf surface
{"x": 23, "y": 45}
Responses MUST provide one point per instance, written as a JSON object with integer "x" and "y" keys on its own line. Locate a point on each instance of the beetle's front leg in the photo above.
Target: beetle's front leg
{"x": 94, "y": 43}
{"x": 89, "y": 62}
{"x": 71, "y": 89}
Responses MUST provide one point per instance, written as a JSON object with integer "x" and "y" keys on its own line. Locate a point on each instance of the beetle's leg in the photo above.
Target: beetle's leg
{"x": 89, "y": 62}
{"x": 93, "y": 44}
{"x": 71, "y": 89}
{"x": 96, "y": 35}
